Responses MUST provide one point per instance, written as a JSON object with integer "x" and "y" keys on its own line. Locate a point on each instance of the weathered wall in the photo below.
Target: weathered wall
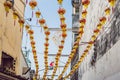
{"x": 107, "y": 68}
{"x": 10, "y": 35}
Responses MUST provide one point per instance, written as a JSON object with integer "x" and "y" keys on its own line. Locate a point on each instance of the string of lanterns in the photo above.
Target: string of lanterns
{"x": 31, "y": 32}
{"x": 102, "y": 22}
{"x": 63, "y": 26}
{"x": 82, "y": 22}
{"x": 46, "y": 44}
{"x": 33, "y": 4}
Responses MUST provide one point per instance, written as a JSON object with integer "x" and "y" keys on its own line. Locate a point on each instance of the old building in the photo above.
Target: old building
{"x": 102, "y": 61}
{"x": 13, "y": 65}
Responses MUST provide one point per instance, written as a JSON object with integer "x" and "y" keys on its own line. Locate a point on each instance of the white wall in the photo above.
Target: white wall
{"x": 107, "y": 67}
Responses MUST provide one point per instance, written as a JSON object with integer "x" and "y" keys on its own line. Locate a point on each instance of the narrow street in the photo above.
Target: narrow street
{"x": 59, "y": 40}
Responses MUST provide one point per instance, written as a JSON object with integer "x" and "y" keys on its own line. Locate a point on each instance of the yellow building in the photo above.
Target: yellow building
{"x": 12, "y": 60}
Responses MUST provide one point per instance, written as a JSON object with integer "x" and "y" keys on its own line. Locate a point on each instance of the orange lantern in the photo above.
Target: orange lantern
{"x": 33, "y": 4}
{"x": 102, "y": 20}
{"x": 38, "y": 13}
{"x": 7, "y": 5}
{"x": 82, "y": 21}
{"x": 15, "y": 16}
{"x": 61, "y": 46}
{"x": 64, "y": 35}
{"x": 84, "y": 13}
{"x": 107, "y": 11}
{"x": 34, "y": 51}
{"x": 32, "y": 42}
{"x": 63, "y": 26}
{"x": 47, "y": 33}
{"x": 61, "y": 12}
{"x": 30, "y": 32}
{"x": 96, "y": 31}
{"x": 46, "y": 44}
{"x": 85, "y": 3}
{"x": 21, "y": 22}
{"x": 112, "y": 2}
{"x": 42, "y": 21}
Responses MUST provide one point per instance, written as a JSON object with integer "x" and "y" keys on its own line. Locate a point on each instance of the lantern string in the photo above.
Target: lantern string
{"x": 93, "y": 38}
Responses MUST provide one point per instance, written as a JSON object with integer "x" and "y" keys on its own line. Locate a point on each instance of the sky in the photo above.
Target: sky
{"x": 49, "y": 9}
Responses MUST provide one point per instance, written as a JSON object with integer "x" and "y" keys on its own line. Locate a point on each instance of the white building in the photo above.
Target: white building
{"x": 102, "y": 61}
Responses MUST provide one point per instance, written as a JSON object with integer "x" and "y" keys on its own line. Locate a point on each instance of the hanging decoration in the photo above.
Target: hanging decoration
{"x": 85, "y": 3}
{"x": 8, "y": 6}
{"x": 84, "y": 13}
{"x": 21, "y": 22}
{"x": 112, "y": 2}
{"x": 60, "y": 2}
{"x": 33, "y": 4}
{"x": 32, "y": 41}
{"x": 90, "y": 43}
{"x": 63, "y": 26}
{"x": 15, "y": 16}
{"x": 107, "y": 11}
{"x": 82, "y": 22}
{"x": 37, "y": 13}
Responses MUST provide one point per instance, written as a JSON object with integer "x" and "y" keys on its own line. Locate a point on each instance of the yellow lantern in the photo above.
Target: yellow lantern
{"x": 64, "y": 35}
{"x": 31, "y": 37}
{"x": 84, "y": 13}
{"x": 7, "y": 5}
{"x": 33, "y": 4}
{"x": 27, "y": 27}
{"x": 15, "y": 16}
{"x": 112, "y": 2}
{"x": 42, "y": 22}
{"x": 62, "y": 19}
{"x": 60, "y": 1}
{"x": 21, "y": 22}
{"x": 38, "y": 13}
{"x": 82, "y": 21}
{"x": 107, "y": 11}
{"x": 99, "y": 26}
{"x": 85, "y": 3}
{"x": 93, "y": 37}
{"x": 45, "y": 28}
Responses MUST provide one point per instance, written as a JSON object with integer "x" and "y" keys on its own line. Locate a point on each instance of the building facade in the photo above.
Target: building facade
{"x": 13, "y": 65}
{"x": 102, "y": 61}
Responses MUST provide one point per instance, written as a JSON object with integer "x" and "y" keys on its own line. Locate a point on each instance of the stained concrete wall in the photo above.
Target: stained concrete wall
{"x": 107, "y": 68}
{"x": 10, "y": 34}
